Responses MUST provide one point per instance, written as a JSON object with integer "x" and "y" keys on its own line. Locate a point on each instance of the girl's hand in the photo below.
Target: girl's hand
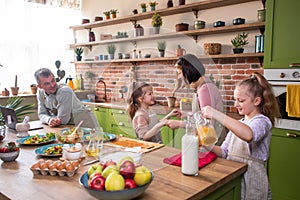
{"x": 207, "y": 112}
{"x": 174, "y": 124}
{"x": 175, "y": 112}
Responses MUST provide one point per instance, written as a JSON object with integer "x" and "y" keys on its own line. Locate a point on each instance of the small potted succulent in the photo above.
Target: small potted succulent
{"x": 239, "y": 41}
{"x": 33, "y": 88}
{"x": 113, "y": 13}
{"x": 161, "y": 46}
{"x": 143, "y": 7}
{"x": 152, "y": 5}
{"x": 78, "y": 52}
{"x": 107, "y": 14}
{"x": 156, "y": 22}
{"x": 111, "y": 49}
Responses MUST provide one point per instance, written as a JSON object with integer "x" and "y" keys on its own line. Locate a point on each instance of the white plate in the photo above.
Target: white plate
{"x": 116, "y": 156}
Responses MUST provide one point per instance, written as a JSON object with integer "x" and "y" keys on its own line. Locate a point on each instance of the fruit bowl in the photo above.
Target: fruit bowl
{"x": 114, "y": 195}
{"x": 10, "y": 156}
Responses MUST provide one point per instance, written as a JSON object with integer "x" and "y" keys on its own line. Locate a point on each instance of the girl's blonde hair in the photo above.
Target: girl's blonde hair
{"x": 258, "y": 86}
{"x": 133, "y": 103}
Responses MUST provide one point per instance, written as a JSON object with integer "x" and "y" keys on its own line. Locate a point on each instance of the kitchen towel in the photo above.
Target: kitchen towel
{"x": 293, "y": 100}
{"x": 204, "y": 159}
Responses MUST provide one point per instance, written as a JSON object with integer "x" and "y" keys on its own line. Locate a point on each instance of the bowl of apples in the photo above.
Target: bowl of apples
{"x": 117, "y": 180}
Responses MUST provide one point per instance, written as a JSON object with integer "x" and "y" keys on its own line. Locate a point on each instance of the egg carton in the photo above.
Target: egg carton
{"x": 55, "y": 172}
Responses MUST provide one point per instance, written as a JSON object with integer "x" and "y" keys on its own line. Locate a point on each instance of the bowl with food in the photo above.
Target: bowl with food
{"x": 10, "y": 152}
{"x": 117, "y": 180}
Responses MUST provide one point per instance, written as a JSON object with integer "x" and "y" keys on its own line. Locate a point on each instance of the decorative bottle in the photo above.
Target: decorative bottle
{"x": 77, "y": 83}
{"x": 190, "y": 148}
{"x": 81, "y": 82}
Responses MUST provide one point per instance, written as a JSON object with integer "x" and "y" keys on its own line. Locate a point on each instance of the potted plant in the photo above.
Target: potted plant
{"x": 152, "y": 5}
{"x": 161, "y": 46}
{"x": 78, "y": 52}
{"x": 111, "y": 49}
{"x": 107, "y": 14}
{"x": 156, "y": 22}
{"x": 113, "y": 13}
{"x": 143, "y": 7}
{"x": 33, "y": 88}
{"x": 239, "y": 41}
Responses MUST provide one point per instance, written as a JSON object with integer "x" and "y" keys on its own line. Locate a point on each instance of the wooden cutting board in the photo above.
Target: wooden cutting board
{"x": 128, "y": 142}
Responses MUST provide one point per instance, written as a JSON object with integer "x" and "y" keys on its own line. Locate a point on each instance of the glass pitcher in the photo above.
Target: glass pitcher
{"x": 95, "y": 143}
{"x": 207, "y": 135}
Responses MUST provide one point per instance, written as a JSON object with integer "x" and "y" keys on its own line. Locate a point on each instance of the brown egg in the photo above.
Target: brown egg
{"x": 52, "y": 166}
{"x": 70, "y": 167}
{"x": 43, "y": 166}
{"x": 59, "y": 166}
{"x": 35, "y": 165}
{"x": 48, "y": 162}
{"x": 75, "y": 163}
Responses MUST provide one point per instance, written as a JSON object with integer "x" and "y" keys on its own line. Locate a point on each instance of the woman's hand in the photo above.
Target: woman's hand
{"x": 54, "y": 122}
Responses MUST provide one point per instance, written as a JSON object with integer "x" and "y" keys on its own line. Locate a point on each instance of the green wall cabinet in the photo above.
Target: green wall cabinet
{"x": 284, "y": 164}
{"x": 282, "y": 33}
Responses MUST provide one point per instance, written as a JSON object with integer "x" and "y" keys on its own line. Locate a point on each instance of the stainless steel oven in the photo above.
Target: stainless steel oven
{"x": 279, "y": 78}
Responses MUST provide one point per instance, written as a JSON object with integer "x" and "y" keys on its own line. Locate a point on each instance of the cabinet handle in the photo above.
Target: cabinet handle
{"x": 96, "y": 109}
{"x": 121, "y": 124}
{"x": 294, "y": 135}
{"x": 121, "y": 112}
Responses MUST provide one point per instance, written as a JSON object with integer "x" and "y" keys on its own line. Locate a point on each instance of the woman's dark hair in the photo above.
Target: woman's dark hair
{"x": 192, "y": 68}
{"x": 133, "y": 103}
{"x": 258, "y": 86}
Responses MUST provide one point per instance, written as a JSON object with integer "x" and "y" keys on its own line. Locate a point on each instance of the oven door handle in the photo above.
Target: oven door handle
{"x": 295, "y": 65}
{"x": 293, "y": 135}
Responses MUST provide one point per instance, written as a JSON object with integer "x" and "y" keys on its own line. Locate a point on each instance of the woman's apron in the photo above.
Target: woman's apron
{"x": 254, "y": 184}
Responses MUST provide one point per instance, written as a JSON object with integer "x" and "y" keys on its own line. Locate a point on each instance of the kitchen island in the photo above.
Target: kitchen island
{"x": 218, "y": 180}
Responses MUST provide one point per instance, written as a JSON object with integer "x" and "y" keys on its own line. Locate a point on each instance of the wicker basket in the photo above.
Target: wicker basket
{"x": 212, "y": 48}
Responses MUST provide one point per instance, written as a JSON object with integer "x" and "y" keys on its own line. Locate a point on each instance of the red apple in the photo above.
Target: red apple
{"x": 129, "y": 183}
{"x": 109, "y": 162}
{"x": 127, "y": 169}
{"x": 97, "y": 182}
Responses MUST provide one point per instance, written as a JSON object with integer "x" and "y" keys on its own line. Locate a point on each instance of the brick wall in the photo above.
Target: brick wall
{"x": 161, "y": 75}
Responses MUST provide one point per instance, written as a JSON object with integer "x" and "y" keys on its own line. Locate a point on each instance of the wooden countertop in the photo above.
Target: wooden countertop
{"x": 18, "y": 182}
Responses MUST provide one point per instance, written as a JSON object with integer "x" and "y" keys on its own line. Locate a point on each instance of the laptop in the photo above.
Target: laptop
{"x": 11, "y": 120}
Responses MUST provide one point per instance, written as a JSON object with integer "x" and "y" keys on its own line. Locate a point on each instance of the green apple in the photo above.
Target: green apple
{"x": 95, "y": 168}
{"x": 110, "y": 169}
{"x": 114, "y": 181}
{"x": 124, "y": 159}
{"x": 142, "y": 175}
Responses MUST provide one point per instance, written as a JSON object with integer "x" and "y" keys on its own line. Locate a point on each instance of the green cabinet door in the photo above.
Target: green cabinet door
{"x": 102, "y": 117}
{"x": 120, "y": 123}
{"x": 282, "y": 33}
{"x": 284, "y": 164}
{"x": 166, "y": 134}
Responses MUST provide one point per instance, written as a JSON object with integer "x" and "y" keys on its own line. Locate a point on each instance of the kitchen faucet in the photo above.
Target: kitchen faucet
{"x": 101, "y": 81}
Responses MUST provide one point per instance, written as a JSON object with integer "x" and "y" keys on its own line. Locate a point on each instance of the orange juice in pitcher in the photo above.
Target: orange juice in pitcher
{"x": 207, "y": 135}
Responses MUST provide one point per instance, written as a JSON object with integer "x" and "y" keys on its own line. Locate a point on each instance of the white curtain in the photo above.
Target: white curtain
{"x": 33, "y": 36}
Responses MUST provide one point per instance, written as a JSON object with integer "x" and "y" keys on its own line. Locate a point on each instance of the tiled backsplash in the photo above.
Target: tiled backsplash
{"x": 161, "y": 74}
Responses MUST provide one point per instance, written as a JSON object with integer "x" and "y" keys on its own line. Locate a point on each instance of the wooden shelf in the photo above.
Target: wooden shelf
{"x": 191, "y": 7}
{"x": 219, "y": 56}
{"x": 192, "y": 33}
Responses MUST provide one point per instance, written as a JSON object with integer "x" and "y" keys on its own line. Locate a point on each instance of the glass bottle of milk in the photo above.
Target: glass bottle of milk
{"x": 190, "y": 147}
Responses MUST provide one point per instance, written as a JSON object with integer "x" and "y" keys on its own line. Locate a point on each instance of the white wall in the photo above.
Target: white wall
{"x": 92, "y": 8}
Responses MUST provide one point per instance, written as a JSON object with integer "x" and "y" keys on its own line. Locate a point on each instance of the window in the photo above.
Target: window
{"x": 33, "y": 36}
